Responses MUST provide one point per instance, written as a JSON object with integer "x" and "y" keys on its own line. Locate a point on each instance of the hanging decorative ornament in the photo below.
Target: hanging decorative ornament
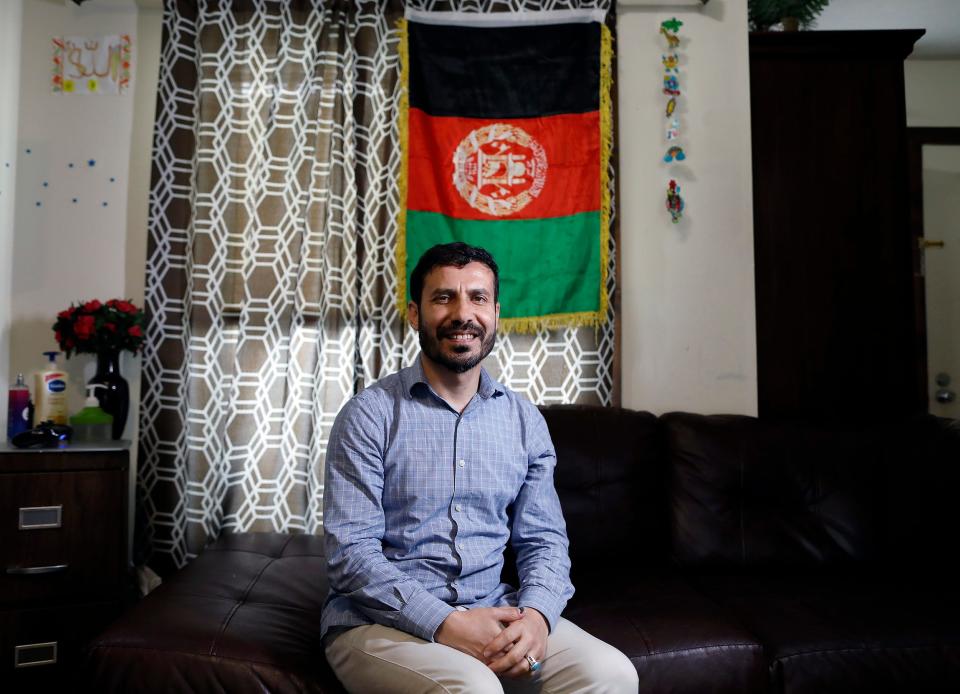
{"x": 673, "y": 25}
{"x": 674, "y": 152}
{"x": 673, "y": 130}
{"x": 675, "y": 203}
{"x": 671, "y": 85}
{"x": 673, "y": 41}
{"x": 670, "y": 62}
{"x": 671, "y": 88}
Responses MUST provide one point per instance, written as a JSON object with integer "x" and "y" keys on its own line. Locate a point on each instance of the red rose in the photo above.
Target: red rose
{"x": 111, "y": 327}
{"x": 135, "y": 331}
{"x": 57, "y": 336}
{"x": 126, "y": 307}
{"x": 112, "y": 303}
{"x": 84, "y": 327}
{"x": 66, "y": 313}
{"x": 92, "y": 306}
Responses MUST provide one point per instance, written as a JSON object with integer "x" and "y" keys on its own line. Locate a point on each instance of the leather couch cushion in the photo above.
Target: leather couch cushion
{"x": 745, "y": 492}
{"x": 243, "y": 616}
{"x": 679, "y": 640}
{"x": 851, "y": 633}
{"x": 611, "y": 479}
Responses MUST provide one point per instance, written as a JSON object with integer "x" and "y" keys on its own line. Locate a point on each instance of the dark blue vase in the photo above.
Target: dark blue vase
{"x": 114, "y": 398}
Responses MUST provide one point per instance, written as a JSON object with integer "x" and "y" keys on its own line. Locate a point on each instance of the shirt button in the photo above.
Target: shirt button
{"x": 458, "y": 508}
{"x": 461, "y": 463}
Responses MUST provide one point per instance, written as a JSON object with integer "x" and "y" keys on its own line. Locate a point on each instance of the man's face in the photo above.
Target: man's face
{"x": 457, "y": 316}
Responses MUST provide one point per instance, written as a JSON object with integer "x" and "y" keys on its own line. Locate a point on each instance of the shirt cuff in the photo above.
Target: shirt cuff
{"x": 422, "y": 615}
{"x": 543, "y": 601}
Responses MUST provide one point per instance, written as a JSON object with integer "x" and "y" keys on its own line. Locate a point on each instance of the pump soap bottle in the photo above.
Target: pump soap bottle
{"x": 92, "y": 424}
{"x": 50, "y": 393}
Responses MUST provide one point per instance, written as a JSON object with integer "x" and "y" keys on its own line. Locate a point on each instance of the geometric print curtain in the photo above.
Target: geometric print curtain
{"x": 270, "y": 277}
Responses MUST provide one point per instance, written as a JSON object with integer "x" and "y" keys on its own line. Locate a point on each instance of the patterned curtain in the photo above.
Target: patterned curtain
{"x": 270, "y": 272}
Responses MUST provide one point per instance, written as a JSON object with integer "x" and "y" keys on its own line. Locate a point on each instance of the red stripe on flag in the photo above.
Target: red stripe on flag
{"x": 527, "y": 168}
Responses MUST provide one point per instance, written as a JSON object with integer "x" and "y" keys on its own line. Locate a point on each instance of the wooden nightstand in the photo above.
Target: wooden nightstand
{"x": 63, "y": 556}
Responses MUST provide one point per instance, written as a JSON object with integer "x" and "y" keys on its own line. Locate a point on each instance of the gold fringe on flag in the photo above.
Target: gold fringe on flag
{"x": 404, "y": 135}
{"x": 555, "y": 321}
{"x": 606, "y": 152}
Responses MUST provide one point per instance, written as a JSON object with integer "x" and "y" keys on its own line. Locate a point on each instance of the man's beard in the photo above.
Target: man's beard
{"x": 461, "y": 361}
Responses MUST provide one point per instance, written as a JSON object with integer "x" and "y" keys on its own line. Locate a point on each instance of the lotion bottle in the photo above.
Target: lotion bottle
{"x": 50, "y": 393}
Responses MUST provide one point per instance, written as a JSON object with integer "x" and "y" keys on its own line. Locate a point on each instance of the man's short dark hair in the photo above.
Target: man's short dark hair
{"x": 456, "y": 254}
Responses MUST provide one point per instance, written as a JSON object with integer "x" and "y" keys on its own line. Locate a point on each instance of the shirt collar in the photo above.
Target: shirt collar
{"x": 414, "y": 379}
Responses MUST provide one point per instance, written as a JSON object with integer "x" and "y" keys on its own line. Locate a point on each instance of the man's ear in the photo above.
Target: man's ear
{"x": 498, "y": 316}
{"x": 413, "y": 315}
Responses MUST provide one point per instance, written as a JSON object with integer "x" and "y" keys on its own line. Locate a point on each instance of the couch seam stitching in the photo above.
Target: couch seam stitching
{"x": 860, "y": 649}
{"x": 243, "y": 598}
{"x": 701, "y": 648}
{"x": 228, "y": 598}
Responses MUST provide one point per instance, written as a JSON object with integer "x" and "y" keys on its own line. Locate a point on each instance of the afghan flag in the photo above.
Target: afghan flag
{"x": 506, "y": 134}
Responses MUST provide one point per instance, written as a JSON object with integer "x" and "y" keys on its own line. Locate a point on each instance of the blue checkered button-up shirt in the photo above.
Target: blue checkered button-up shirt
{"x": 420, "y": 502}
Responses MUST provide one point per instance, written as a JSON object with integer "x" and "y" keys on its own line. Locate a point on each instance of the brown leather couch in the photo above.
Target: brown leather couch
{"x": 720, "y": 553}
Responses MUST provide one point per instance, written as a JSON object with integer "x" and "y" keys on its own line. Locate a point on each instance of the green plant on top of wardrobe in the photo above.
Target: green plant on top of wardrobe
{"x": 765, "y": 13}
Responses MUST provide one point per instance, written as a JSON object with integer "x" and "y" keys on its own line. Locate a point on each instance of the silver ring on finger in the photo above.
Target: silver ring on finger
{"x": 533, "y": 663}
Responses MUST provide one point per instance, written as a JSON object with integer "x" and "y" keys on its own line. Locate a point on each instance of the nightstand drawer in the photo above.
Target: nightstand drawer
{"x": 61, "y": 535}
{"x": 38, "y": 647}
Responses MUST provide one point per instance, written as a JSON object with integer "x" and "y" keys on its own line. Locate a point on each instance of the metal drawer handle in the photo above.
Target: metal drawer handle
{"x": 35, "y": 570}
{"x": 31, "y": 654}
{"x": 40, "y": 517}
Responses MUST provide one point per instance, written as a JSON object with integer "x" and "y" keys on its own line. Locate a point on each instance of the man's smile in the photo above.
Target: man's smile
{"x": 460, "y": 337}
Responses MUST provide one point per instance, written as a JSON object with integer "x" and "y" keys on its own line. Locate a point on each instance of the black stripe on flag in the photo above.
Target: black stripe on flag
{"x": 504, "y": 72}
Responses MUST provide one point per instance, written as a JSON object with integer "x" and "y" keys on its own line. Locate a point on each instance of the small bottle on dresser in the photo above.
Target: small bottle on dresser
{"x": 18, "y": 408}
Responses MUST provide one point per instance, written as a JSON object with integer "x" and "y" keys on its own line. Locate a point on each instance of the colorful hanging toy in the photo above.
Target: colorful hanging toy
{"x": 673, "y": 24}
{"x": 671, "y": 85}
{"x": 671, "y": 88}
{"x": 673, "y": 129}
{"x": 674, "y": 152}
{"x": 675, "y": 203}
{"x": 673, "y": 40}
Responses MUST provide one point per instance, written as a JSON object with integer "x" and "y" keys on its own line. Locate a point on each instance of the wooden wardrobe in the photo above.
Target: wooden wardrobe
{"x": 836, "y": 333}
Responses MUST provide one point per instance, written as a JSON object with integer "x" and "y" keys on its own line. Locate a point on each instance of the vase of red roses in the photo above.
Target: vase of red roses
{"x": 104, "y": 329}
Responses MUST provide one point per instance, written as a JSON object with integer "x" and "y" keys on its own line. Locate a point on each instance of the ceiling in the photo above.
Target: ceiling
{"x": 941, "y": 19}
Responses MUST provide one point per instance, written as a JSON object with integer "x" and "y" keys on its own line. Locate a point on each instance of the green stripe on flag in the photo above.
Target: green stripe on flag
{"x": 547, "y": 266}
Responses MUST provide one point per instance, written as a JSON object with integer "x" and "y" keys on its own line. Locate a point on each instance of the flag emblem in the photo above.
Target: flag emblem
{"x": 499, "y": 169}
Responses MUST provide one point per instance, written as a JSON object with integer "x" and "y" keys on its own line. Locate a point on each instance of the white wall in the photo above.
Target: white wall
{"x": 933, "y": 93}
{"x": 11, "y": 17}
{"x": 93, "y": 248}
{"x": 689, "y": 319}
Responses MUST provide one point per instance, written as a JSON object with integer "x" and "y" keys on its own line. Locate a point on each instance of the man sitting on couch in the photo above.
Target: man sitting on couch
{"x": 429, "y": 473}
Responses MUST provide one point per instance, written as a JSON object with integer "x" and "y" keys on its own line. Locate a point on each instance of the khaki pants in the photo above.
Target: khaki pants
{"x": 374, "y": 658}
